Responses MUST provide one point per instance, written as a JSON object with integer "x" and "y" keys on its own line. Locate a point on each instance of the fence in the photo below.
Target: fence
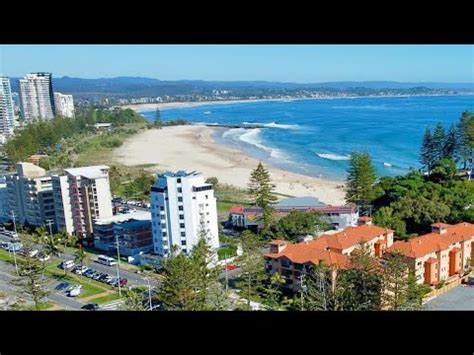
{"x": 445, "y": 288}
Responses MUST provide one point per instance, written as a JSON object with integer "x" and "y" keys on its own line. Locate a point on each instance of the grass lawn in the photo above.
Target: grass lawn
{"x": 31, "y": 307}
{"x": 228, "y": 252}
{"x": 105, "y": 299}
{"x": 5, "y": 256}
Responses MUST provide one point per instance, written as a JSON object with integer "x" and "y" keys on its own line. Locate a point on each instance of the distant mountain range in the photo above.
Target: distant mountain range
{"x": 139, "y": 86}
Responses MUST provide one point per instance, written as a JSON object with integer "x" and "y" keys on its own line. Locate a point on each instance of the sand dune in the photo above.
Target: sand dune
{"x": 192, "y": 148}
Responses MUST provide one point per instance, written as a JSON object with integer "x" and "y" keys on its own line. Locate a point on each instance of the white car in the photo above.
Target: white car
{"x": 43, "y": 257}
{"x": 81, "y": 270}
{"x": 76, "y": 291}
{"x": 33, "y": 253}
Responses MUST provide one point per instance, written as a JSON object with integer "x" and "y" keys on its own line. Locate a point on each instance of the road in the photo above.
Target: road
{"x": 7, "y": 272}
{"x": 133, "y": 279}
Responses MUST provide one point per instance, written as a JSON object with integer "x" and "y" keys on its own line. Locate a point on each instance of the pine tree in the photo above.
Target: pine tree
{"x": 438, "y": 141}
{"x": 426, "y": 152}
{"x": 361, "y": 284}
{"x": 261, "y": 188}
{"x": 451, "y": 145}
{"x": 360, "y": 179}
{"x": 322, "y": 289}
{"x": 31, "y": 279}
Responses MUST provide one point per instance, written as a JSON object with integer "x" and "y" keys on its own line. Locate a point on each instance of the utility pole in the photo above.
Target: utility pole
{"x": 226, "y": 276}
{"x": 118, "y": 266}
{"x": 13, "y": 248}
{"x": 302, "y": 287}
{"x": 50, "y": 223}
{"x": 149, "y": 293}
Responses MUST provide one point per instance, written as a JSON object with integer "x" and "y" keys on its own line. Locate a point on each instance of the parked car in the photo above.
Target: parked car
{"x": 43, "y": 257}
{"x": 62, "y": 286}
{"x": 123, "y": 282}
{"x": 231, "y": 267}
{"x": 111, "y": 280}
{"x": 66, "y": 264}
{"x": 89, "y": 273}
{"x": 104, "y": 277}
{"x": 76, "y": 291}
{"x": 80, "y": 270}
{"x": 90, "y": 307}
{"x": 97, "y": 276}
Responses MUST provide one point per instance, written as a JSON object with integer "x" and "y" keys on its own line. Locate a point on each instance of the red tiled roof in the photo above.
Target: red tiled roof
{"x": 351, "y": 236}
{"x": 434, "y": 242}
{"x": 237, "y": 209}
{"x": 302, "y": 253}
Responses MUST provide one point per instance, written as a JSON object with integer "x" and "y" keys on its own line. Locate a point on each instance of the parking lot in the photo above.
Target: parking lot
{"x": 460, "y": 298}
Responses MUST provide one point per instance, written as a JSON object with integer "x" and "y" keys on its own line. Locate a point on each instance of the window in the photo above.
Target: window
{"x": 181, "y": 216}
{"x": 183, "y": 243}
{"x": 180, "y": 189}
{"x": 183, "y": 234}
{"x": 162, "y": 208}
{"x": 194, "y": 197}
{"x": 181, "y": 225}
{"x": 164, "y": 234}
{"x": 180, "y": 199}
{"x": 185, "y": 251}
{"x": 178, "y": 180}
{"x": 180, "y": 208}
{"x": 207, "y": 197}
{"x": 418, "y": 263}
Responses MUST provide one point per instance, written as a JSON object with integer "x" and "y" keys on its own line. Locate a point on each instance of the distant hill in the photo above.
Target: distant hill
{"x": 139, "y": 86}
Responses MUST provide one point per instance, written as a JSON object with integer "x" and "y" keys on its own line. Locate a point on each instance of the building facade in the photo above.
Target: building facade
{"x": 87, "y": 191}
{"x": 4, "y": 206}
{"x": 294, "y": 259}
{"x": 64, "y": 105}
{"x": 183, "y": 209}
{"x": 443, "y": 255}
{"x": 339, "y": 217}
{"x": 36, "y": 96}
{"x": 30, "y": 195}
{"x": 7, "y": 113}
{"x": 132, "y": 230}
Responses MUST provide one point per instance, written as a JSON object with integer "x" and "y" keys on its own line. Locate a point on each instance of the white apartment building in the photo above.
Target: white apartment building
{"x": 82, "y": 196}
{"x": 7, "y": 113}
{"x": 64, "y": 105}
{"x": 182, "y": 206}
{"x": 36, "y": 96}
{"x": 30, "y": 195}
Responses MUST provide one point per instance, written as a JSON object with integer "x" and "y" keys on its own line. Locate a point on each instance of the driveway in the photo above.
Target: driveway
{"x": 460, "y": 298}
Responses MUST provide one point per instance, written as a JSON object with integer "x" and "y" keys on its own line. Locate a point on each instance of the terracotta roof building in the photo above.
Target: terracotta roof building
{"x": 441, "y": 255}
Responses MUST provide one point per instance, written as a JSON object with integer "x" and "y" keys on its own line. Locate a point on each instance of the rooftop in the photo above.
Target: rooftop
{"x": 434, "y": 242}
{"x": 306, "y": 201}
{"x": 90, "y": 172}
{"x": 124, "y": 217}
{"x": 180, "y": 173}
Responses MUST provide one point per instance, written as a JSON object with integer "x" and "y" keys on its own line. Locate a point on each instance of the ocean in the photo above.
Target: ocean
{"x": 316, "y": 137}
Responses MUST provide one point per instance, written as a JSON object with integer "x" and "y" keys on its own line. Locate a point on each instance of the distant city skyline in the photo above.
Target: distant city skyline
{"x": 282, "y": 63}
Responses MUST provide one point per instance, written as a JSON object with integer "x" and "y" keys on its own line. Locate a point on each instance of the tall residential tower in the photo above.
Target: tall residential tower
{"x": 36, "y": 96}
{"x": 7, "y": 116}
{"x": 183, "y": 208}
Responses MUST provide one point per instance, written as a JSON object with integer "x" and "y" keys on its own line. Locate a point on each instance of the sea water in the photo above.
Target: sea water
{"x": 316, "y": 136}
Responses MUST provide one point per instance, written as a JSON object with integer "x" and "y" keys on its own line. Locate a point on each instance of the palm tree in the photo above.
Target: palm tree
{"x": 51, "y": 245}
{"x": 41, "y": 233}
{"x": 80, "y": 256}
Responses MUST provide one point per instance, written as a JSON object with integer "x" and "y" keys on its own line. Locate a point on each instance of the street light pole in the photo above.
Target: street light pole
{"x": 226, "y": 276}
{"x": 302, "y": 287}
{"x": 118, "y": 265}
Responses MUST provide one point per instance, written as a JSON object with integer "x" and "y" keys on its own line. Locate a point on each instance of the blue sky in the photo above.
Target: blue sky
{"x": 286, "y": 63}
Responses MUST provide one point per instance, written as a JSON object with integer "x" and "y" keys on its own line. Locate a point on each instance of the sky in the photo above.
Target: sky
{"x": 284, "y": 63}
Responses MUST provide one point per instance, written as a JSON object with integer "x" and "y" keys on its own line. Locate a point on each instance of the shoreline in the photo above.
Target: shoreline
{"x": 186, "y": 104}
{"x": 194, "y": 148}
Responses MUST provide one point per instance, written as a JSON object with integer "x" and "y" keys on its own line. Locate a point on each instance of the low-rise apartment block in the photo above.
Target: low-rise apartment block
{"x": 293, "y": 259}
{"x": 132, "y": 230}
{"x": 339, "y": 217}
{"x": 442, "y": 255}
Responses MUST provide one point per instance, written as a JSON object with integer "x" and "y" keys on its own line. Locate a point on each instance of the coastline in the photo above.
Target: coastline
{"x": 185, "y": 104}
{"x": 193, "y": 148}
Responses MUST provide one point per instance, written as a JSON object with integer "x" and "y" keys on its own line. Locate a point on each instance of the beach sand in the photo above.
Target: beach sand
{"x": 193, "y": 148}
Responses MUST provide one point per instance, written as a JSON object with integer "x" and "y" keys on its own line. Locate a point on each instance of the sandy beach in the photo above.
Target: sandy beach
{"x": 193, "y": 148}
{"x": 170, "y": 105}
